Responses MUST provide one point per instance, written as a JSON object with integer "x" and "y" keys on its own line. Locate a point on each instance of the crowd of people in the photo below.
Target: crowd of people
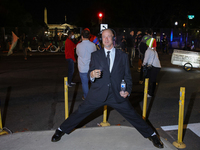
{"x": 132, "y": 44}
{"x": 140, "y": 43}
{"x": 105, "y": 69}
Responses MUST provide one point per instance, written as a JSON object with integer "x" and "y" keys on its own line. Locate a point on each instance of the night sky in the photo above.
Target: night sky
{"x": 127, "y": 11}
{"x": 56, "y": 9}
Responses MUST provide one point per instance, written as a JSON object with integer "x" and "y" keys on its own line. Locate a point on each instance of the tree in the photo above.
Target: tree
{"x": 13, "y": 14}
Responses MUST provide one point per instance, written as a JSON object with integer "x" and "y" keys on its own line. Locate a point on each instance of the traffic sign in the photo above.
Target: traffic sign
{"x": 190, "y": 16}
{"x": 103, "y": 27}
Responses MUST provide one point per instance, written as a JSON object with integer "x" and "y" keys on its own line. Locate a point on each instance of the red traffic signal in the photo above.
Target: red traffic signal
{"x": 100, "y": 15}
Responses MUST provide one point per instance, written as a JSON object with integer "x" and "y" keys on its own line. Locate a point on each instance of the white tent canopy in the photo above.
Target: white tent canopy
{"x": 61, "y": 26}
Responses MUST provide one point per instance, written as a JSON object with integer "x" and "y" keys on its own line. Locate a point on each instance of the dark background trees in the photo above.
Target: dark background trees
{"x": 13, "y": 14}
{"x": 126, "y": 13}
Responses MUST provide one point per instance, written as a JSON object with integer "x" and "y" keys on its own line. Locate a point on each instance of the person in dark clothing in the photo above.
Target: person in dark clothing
{"x": 123, "y": 44}
{"x": 25, "y": 45}
{"x": 165, "y": 44}
{"x": 131, "y": 47}
{"x": 142, "y": 47}
{"x": 108, "y": 67}
{"x": 138, "y": 39}
{"x": 141, "y": 50}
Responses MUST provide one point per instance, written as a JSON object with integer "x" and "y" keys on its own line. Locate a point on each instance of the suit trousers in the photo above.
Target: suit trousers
{"x": 124, "y": 108}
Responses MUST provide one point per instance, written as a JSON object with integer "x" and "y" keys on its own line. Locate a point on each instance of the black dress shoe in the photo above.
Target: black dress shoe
{"x": 57, "y": 136}
{"x": 156, "y": 141}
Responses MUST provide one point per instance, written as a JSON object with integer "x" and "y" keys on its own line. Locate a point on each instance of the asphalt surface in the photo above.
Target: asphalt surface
{"x": 32, "y": 96}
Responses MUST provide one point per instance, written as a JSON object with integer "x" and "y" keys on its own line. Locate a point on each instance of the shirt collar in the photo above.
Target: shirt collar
{"x": 111, "y": 51}
{"x": 85, "y": 40}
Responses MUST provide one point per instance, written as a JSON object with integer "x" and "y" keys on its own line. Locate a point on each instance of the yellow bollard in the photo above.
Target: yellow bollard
{"x": 179, "y": 143}
{"x": 1, "y": 126}
{"x": 105, "y": 123}
{"x": 145, "y": 99}
{"x": 66, "y": 97}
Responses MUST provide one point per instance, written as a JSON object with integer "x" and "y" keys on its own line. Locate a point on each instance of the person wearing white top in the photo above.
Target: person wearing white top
{"x": 151, "y": 58}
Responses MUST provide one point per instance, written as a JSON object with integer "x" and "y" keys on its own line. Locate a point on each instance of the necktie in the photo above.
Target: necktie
{"x": 108, "y": 59}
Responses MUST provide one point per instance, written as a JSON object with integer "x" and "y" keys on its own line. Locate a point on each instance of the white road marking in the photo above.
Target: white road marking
{"x": 194, "y": 127}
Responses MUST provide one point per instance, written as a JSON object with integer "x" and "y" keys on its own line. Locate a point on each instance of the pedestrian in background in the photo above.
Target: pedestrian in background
{"x": 165, "y": 44}
{"x": 138, "y": 39}
{"x": 94, "y": 39}
{"x": 108, "y": 67}
{"x": 151, "y": 59}
{"x": 123, "y": 44}
{"x": 69, "y": 56}
{"x": 83, "y": 51}
{"x": 142, "y": 47}
{"x": 25, "y": 45}
{"x": 130, "y": 47}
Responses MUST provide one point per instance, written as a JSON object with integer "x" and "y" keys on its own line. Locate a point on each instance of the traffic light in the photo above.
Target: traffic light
{"x": 184, "y": 25}
{"x": 100, "y": 16}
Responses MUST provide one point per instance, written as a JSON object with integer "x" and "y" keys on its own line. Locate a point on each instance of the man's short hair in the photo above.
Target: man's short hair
{"x": 86, "y": 34}
{"x": 150, "y": 31}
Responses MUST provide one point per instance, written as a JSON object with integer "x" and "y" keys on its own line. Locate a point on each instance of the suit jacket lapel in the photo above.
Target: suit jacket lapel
{"x": 104, "y": 60}
{"x": 115, "y": 60}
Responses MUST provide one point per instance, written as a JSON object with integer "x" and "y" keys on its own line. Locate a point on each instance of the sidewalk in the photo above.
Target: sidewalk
{"x": 97, "y": 138}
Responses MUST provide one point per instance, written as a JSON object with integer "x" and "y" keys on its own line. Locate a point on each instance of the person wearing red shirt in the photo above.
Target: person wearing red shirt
{"x": 69, "y": 56}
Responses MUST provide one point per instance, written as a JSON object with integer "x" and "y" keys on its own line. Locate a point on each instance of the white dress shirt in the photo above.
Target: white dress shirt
{"x": 112, "y": 57}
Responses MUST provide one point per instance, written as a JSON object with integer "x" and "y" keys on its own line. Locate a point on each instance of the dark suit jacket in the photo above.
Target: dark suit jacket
{"x": 100, "y": 87}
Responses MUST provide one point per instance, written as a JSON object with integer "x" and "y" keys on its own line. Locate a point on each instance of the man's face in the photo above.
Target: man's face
{"x": 72, "y": 37}
{"x": 72, "y": 33}
{"x": 132, "y": 33}
{"x": 107, "y": 37}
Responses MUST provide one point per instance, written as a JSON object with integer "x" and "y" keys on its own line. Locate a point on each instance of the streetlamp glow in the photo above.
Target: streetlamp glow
{"x": 190, "y": 16}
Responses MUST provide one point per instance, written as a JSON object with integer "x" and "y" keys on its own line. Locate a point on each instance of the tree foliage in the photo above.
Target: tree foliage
{"x": 117, "y": 13}
{"x": 13, "y": 14}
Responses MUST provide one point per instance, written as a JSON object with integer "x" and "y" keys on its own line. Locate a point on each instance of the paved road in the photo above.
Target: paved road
{"x": 32, "y": 96}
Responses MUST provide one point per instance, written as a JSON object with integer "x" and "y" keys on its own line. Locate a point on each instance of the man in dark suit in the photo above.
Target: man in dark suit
{"x": 108, "y": 67}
